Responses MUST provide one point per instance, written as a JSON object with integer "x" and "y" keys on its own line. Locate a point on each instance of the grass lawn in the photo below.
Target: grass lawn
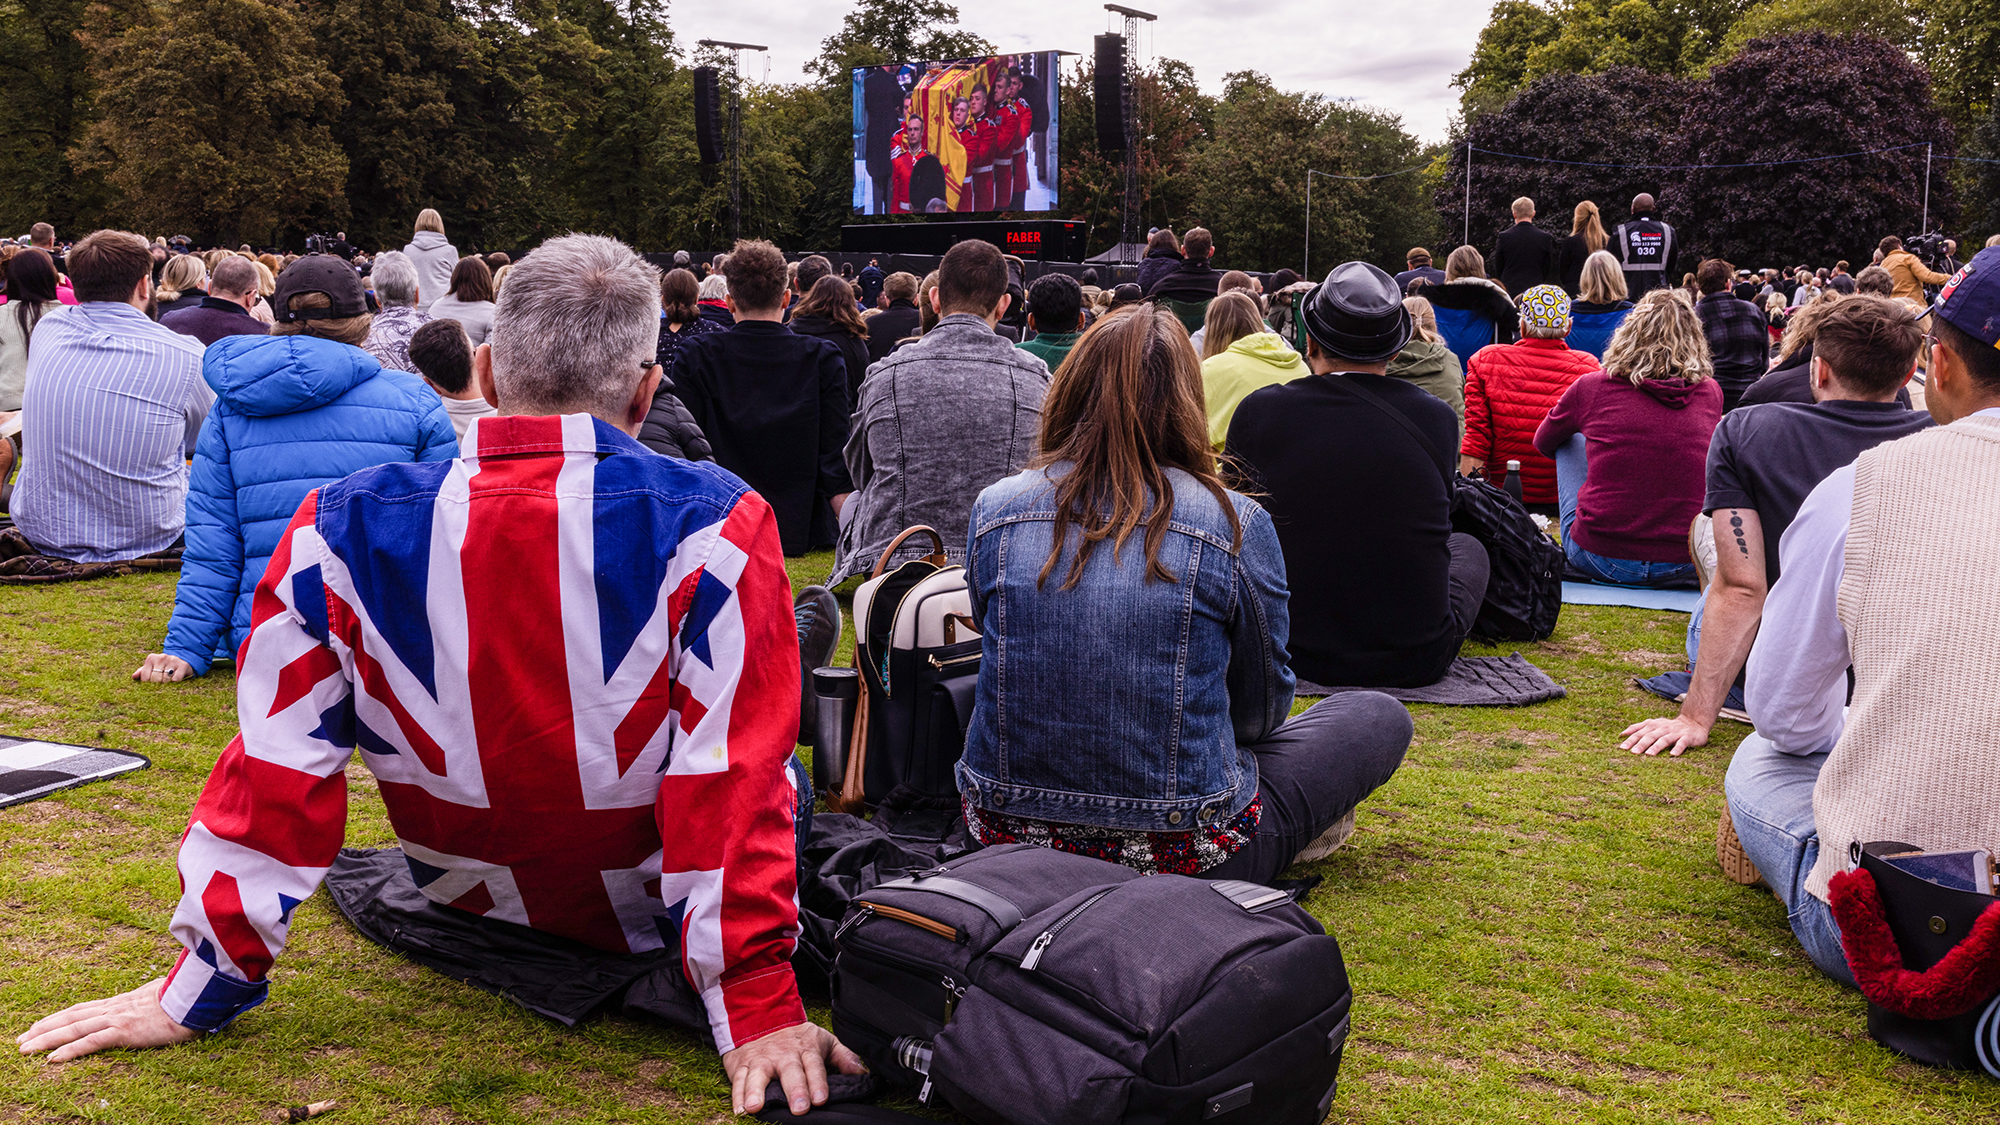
{"x": 1534, "y": 922}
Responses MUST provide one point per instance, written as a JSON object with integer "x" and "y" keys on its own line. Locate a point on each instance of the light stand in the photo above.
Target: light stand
{"x": 735, "y": 129}
{"x": 1129, "y": 229}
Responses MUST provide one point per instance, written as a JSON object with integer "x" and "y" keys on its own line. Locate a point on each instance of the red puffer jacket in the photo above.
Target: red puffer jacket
{"x": 1509, "y": 389}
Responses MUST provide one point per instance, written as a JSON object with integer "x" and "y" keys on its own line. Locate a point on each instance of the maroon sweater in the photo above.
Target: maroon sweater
{"x": 1648, "y": 448}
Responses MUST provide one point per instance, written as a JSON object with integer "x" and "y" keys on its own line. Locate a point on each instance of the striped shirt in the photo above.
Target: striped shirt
{"x": 112, "y": 405}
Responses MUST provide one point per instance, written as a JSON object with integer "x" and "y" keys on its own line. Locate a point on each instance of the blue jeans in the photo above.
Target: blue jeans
{"x": 1770, "y": 800}
{"x": 802, "y": 815}
{"x": 1572, "y": 469}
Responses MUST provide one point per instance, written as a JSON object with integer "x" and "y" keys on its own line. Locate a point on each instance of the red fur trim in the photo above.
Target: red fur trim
{"x": 1968, "y": 975}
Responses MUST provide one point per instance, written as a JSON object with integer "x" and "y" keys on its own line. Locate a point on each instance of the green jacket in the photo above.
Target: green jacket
{"x": 1050, "y": 347}
{"x": 1433, "y": 367}
{"x": 1252, "y": 363}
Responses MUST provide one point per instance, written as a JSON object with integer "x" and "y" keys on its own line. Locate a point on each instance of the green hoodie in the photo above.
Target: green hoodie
{"x": 1227, "y": 378}
{"x": 1433, "y": 367}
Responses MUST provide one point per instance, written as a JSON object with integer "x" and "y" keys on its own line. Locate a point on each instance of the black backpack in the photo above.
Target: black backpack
{"x": 1024, "y": 985}
{"x": 1524, "y": 590}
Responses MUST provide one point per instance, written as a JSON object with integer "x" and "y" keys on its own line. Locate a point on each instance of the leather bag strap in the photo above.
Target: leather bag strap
{"x": 935, "y": 558}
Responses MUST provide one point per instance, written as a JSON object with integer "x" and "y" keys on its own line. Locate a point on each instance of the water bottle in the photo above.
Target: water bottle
{"x": 1513, "y": 482}
{"x": 836, "y": 691}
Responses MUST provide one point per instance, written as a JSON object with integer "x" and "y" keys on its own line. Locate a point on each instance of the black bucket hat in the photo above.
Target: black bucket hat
{"x": 1357, "y": 313}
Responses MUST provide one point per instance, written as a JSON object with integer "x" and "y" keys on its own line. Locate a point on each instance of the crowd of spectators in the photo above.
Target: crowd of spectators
{"x": 1176, "y": 498}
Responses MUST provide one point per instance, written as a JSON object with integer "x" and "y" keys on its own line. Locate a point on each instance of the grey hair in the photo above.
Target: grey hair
{"x": 395, "y": 277}
{"x": 233, "y": 274}
{"x": 572, "y": 326}
{"x": 714, "y": 287}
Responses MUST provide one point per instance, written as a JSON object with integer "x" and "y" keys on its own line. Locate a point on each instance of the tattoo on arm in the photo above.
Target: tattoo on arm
{"x": 1736, "y": 527}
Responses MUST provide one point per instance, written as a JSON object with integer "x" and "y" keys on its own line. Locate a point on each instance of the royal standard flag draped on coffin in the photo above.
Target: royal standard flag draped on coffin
{"x": 936, "y": 90}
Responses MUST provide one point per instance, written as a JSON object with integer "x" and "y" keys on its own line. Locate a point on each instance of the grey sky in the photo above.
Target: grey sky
{"x": 1397, "y": 54}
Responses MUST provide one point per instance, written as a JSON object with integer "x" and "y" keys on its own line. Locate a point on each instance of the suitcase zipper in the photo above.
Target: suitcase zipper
{"x": 941, "y": 665}
{"x": 1034, "y": 955}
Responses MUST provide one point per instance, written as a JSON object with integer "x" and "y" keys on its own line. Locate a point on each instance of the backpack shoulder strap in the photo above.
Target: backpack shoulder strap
{"x": 1371, "y": 398}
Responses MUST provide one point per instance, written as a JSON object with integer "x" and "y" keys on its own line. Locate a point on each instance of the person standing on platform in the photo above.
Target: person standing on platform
{"x": 1524, "y": 256}
{"x": 1645, "y": 247}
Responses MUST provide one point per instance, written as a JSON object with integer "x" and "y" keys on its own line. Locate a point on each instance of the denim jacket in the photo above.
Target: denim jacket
{"x": 1123, "y": 702}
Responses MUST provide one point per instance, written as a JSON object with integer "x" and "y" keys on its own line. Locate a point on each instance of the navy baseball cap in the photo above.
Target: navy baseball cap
{"x": 1970, "y": 301}
{"x": 319, "y": 273}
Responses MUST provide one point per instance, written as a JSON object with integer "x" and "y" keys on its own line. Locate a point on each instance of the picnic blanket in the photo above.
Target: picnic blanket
{"x": 21, "y": 564}
{"x": 1591, "y": 593}
{"x": 30, "y": 768}
{"x": 1471, "y": 681}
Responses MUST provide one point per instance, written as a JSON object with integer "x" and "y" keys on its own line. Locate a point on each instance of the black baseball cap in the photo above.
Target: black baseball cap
{"x": 1970, "y": 301}
{"x": 319, "y": 273}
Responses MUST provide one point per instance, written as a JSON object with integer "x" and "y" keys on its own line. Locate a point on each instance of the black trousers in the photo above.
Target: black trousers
{"x": 1314, "y": 770}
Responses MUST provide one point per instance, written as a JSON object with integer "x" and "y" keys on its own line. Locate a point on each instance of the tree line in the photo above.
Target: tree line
{"x": 263, "y": 121}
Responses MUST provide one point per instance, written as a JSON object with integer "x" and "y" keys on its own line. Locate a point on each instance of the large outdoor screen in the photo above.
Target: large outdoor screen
{"x": 966, "y": 136}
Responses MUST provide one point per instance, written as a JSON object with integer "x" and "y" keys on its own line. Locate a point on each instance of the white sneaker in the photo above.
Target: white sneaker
{"x": 1329, "y": 841}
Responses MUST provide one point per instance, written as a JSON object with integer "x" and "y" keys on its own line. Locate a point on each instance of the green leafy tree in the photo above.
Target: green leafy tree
{"x": 1395, "y": 211}
{"x": 212, "y": 115}
{"x": 1676, "y": 37}
{"x": 1174, "y": 122}
{"x": 46, "y": 105}
{"x": 886, "y": 31}
{"x": 1252, "y": 178}
{"x": 1499, "y": 65}
{"x": 408, "y": 70}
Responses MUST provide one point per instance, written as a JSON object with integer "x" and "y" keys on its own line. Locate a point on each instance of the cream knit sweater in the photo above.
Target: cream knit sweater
{"x": 1919, "y": 758}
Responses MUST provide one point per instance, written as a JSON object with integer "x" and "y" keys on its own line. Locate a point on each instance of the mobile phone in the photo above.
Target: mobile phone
{"x": 1970, "y": 870}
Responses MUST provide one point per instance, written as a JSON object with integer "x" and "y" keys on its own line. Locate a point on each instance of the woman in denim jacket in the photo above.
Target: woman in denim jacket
{"x": 1134, "y": 691}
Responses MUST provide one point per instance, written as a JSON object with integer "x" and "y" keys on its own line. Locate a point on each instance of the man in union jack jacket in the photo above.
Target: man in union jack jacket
{"x": 570, "y": 663}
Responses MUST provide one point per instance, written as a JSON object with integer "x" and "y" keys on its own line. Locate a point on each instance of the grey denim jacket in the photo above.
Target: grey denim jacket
{"x": 938, "y": 420}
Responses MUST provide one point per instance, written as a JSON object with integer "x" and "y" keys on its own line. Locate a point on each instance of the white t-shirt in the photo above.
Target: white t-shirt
{"x": 464, "y": 410}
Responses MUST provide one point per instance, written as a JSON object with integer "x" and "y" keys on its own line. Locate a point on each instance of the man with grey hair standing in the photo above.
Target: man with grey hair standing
{"x": 397, "y": 292}
{"x": 572, "y": 664}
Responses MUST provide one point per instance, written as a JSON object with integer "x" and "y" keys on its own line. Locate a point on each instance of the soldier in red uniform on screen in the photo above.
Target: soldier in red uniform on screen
{"x": 1024, "y": 126}
{"x": 904, "y": 152}
{"x": 968, "y": 138}
{"x": 979, "y": 151}
{"x": 1004, "y": 124}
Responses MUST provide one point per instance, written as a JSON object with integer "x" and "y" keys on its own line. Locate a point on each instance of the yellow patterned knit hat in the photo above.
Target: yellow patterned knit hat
{"x": 1546, "y": 307}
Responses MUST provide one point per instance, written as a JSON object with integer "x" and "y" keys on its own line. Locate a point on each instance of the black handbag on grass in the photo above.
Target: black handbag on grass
{"x": 1927, "y": 957}
{"x": 1023, "y": 985}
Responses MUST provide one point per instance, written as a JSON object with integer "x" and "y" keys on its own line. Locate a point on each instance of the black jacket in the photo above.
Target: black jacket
{"x": 1193, "y": 279}
{"x": 1571, "y": 252}
{"x": 853, "y": 350}
{"x": 1158, "y": 264}
{"x": 773, "y": 405}
{"x": 900, "y": 319}
{"x": 669, "y": 429}
{"x": 1524, "y": 256}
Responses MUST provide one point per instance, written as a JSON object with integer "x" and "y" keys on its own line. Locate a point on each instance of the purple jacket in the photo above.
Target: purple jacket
{"x": 213, "y": 319}
{"x": 1648, "y": 450}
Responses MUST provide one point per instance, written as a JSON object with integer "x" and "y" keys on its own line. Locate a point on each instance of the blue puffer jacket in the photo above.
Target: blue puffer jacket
{"x": 291, "y": 413}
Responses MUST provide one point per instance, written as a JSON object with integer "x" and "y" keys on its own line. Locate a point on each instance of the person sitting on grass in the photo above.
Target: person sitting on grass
{"x": 1240, "y": 355}
{"x": 1055, "y": 313}
{"x": 1177, "y": 756}
{"x": 294, "y": 410}
{"x": 1762, "y": 464}
{"x": 1333, "y": 454}
{"x": 1888, "y": 571}
{"x": 417, "y": 610}
{"x": 1628, "y": 443}
{"x": 442, "y": 353}
{"x": 1510, "y": 388}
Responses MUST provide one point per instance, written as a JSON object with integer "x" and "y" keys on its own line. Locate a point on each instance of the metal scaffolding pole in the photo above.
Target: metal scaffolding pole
{"x": 735, "y": 129}
{"x": 1129, "y": 227}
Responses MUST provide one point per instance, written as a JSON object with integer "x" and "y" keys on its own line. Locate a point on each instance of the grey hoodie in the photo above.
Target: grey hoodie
{"x": 937, "y": 421}
{"x": 435, "y": 259}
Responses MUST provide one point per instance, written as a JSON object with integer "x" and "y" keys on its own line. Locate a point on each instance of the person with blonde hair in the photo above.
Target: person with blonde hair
{"x": 1240, "y": 355}
{"x": 267, "y": 284}
{"x": 1600, "y": 306}
{"x": 1586, "y": 237}
{"x": 1630, "y": 443}
{"x": 434, "y": 257}
{"x": 1121, "y": 536}
{"x": 183, "y": 283}
{"x": 1428, "y": 363}
{"x": 1472, "y": 310}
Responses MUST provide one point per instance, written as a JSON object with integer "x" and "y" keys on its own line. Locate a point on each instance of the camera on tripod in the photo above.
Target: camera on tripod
{"x": 319, "y": 244}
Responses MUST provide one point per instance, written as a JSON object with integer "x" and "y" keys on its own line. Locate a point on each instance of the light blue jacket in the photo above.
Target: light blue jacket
{"x": 292, "y": 413}
{"x": 1125, "y": 701}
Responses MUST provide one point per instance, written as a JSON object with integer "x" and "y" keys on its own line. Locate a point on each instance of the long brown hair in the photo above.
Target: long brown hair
{"x": 1125, "y": 407}
{"x": 833, "y": 299}
{"x": 472, "y": 280}
{"x": 679, "y": 296}
{"x": 1230, "y": 317}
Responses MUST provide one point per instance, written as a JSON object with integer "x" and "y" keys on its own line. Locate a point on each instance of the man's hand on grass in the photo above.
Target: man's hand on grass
{"x": 1674, "y": 735}
{"x": 160, "y": 668}
{"x": 132, "y": 1019}
{"x": 796, "y": 1056}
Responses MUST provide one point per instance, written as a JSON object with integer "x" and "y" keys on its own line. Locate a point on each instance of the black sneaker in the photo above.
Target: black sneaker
{"x": 817, "y": 613}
